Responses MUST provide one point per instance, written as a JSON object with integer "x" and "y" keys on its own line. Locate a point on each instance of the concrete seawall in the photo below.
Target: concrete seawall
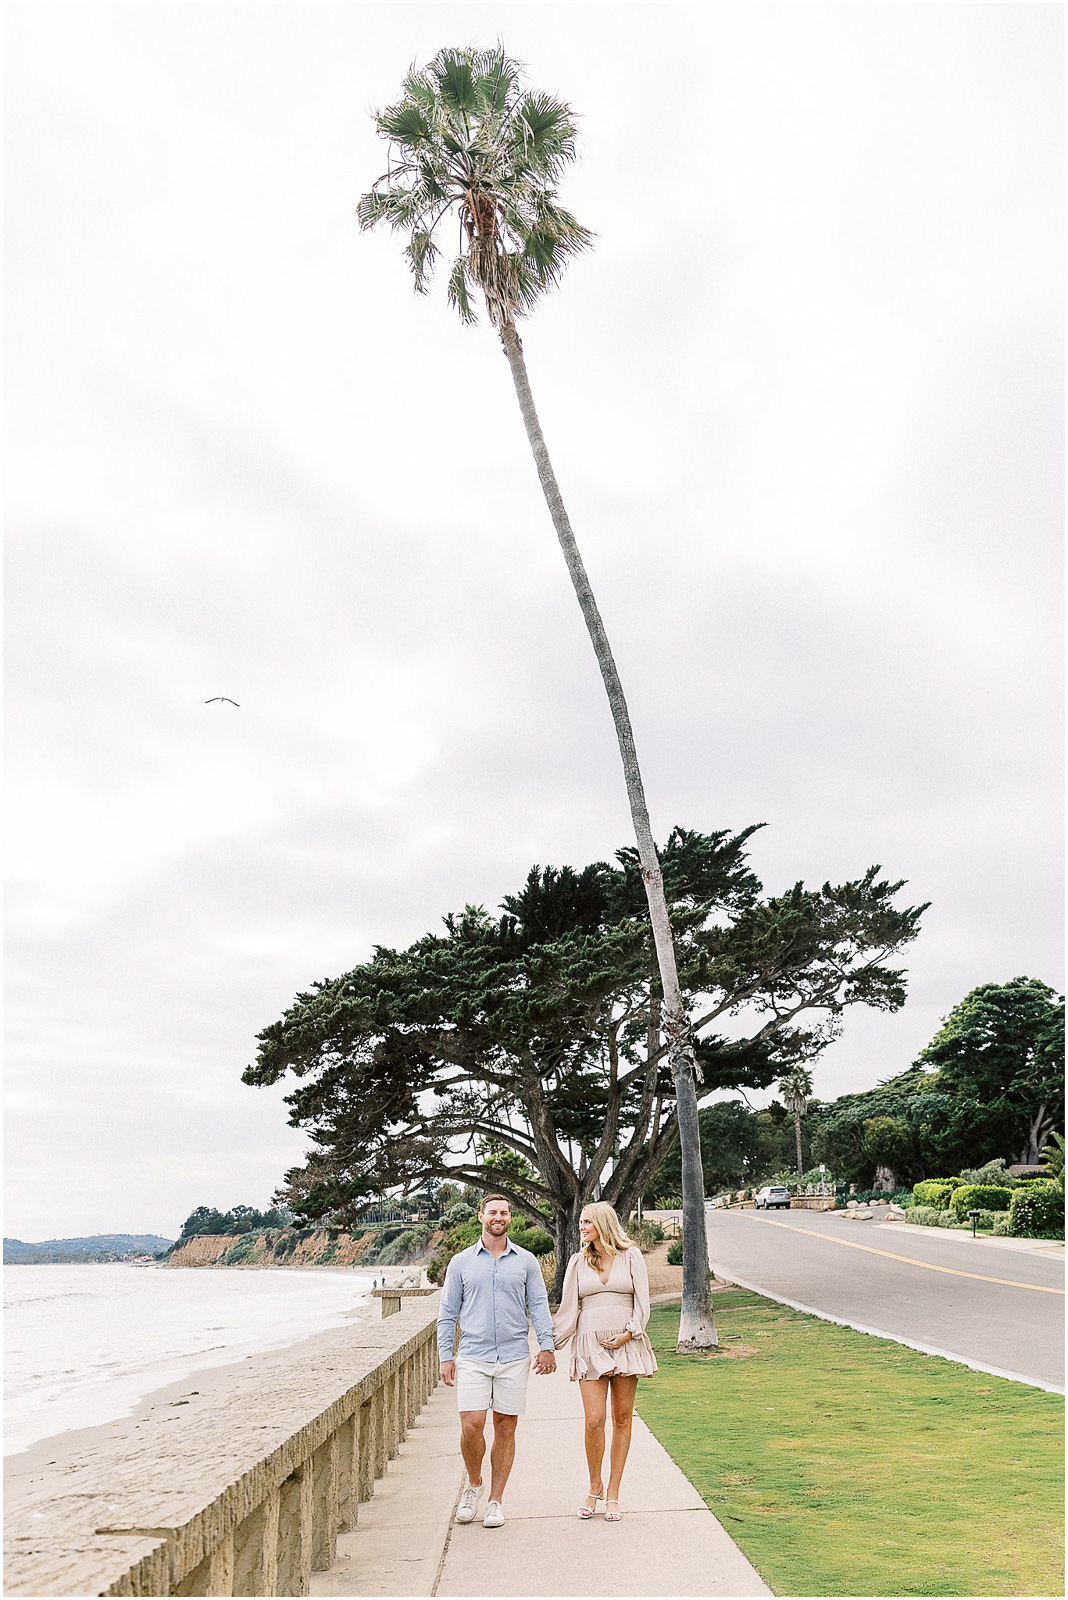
{"x": 243, "y": 1490}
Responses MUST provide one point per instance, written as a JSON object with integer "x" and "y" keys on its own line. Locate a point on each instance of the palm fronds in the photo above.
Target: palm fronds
{"x": 468, "y": 138}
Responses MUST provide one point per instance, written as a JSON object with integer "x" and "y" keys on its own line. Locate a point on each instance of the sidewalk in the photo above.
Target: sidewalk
{"x": 406, "y": 1542}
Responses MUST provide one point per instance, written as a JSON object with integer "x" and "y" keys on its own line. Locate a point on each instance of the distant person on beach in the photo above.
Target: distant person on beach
{"x": 604, "y": 1310}
{"x": 491, "y": 1287}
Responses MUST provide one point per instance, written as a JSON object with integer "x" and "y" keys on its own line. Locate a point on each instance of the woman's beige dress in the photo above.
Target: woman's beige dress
{"x": 591, "y": 1310}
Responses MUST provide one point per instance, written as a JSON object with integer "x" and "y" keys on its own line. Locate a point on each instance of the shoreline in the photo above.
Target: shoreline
{"x": 45, "y": 1465}
{"x": 194, "y": 1370}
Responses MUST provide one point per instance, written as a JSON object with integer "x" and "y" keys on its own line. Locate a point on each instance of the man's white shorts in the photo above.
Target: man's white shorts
{"x": 492, "y": 1385}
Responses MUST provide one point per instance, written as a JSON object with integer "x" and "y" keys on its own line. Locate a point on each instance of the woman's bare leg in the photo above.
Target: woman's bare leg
{"x": 624, "y": 1389}
{"x": 594, "y": 1392}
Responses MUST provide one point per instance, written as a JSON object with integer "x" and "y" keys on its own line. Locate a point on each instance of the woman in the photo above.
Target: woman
{"x": 605, "y": 1308}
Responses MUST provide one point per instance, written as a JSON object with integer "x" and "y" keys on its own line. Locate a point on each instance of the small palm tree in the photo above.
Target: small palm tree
{"x": 468, "y": 140}
{"x": 796, "y": 1091}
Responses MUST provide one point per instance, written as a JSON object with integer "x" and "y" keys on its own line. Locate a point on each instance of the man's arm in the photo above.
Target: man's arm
{"x": 448, "y": 1312}
{"x": 541, "y": 1317}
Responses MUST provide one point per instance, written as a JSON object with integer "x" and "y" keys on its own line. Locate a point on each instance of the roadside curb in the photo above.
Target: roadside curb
{"x": 1032, "y": 1247}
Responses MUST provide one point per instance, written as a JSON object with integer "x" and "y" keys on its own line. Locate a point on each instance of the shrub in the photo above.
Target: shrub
{"x": 949, "y": 1219}
{"x": 528, "y": 1236}
{"x": 1037, "y": 1211}
{"x": 674, "y": 1254}
{"x": 990, "y": 1219}
{"x": 457, "y": 1213}
{"x": 1003, "y": 1225}
{"x": 925, "y": 1216}
{"x": 979, "y": 1197}
{"x": 992, "y": 1172}
{"x": 645, "y": 1234}
{"x": 934, "y": 1192}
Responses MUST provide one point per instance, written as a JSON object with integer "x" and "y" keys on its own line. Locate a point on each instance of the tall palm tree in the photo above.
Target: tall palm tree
{"x": 468, "y": 140}
{"x": 796, "y": 1091}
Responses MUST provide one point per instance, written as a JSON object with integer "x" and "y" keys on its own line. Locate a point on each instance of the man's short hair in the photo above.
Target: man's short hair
{"x": 486, "y": 1198}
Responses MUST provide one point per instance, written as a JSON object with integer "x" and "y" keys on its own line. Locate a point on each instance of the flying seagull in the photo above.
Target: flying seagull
{"x": 225, "y": 697}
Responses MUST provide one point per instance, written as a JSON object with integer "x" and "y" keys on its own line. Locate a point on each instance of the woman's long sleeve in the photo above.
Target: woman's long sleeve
{"x": 566, "y": 1319}
{"x": 639, "y": 1278}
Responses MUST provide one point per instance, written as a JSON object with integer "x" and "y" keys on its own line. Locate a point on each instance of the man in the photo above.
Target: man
{"x": 490, "y": 1287}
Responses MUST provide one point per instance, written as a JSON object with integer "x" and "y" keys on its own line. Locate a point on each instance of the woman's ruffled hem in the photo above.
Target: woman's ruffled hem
{"x": 591, "y": 1359}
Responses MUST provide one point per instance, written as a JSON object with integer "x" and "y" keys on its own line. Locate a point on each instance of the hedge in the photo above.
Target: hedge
{"x": 979, "y": 1197}
{"x": 1037, "y": 1211}
{"x": 996, "y": 1222}
{"x": 934, "y": 1192}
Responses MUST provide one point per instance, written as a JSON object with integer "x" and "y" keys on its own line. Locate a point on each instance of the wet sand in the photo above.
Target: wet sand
{"x": 46, "y": 1466}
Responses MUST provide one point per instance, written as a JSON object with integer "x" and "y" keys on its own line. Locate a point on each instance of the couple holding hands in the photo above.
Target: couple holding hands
{"x": 489, "y": 1289}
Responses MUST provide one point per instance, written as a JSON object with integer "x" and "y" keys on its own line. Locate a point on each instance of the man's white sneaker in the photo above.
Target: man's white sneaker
{"x": 465, "y": 1511}
{"x": 494, "y": 1517}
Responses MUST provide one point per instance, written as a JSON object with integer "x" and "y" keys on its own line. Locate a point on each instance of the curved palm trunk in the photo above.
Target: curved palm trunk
{"x": 697, "y": 1328}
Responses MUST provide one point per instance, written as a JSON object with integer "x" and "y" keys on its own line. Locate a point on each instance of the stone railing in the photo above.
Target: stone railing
{"x": 246, "y": 1491}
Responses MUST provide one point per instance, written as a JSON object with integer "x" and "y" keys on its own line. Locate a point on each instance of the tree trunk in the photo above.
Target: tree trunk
{"x": 1037, "y": 1138}
{"x": 797, "y": 1131}
{"x": 697, "y": 1329}
{"x": 565, "y": 1242}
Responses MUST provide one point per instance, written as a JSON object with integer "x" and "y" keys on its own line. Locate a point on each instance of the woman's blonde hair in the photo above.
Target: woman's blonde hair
{"x": 609, "y": 1229}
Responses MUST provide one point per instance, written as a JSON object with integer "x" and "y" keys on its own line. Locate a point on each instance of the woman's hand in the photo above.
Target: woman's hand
{"x": 616, "y": 1341}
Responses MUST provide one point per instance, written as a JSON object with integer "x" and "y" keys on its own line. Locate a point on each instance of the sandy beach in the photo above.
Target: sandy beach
{"x": 47, "y": 1465}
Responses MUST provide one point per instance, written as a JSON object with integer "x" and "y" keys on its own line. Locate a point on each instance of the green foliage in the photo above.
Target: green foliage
{"x": 206, "y": 1220}
{"x": 999, "y": 1060}
{"x": 990, "y": 1081}
{"x": 992, "y": 1172}
{"x": 645, "y": 1234}
{"x": 934, "y": 1192}
{"x": 243, "y": 1247}
{"x": 977, "y": 1197}
{"x": 738, "y": 1146}
{"x": 887, "y": 1142}
{"x": 459, "y": 1212}
{"x": 1053, "y": 1158}
{"x": 406, "y": 1244}
{"x": 1036, "y": 1211}
{"x": 530, "y": 1237}
{"x": 674, "y": 1253}
{"x": 443, "y": 1059}
{"x": 988, "y": 1221}
{"x": 469, "y": 142}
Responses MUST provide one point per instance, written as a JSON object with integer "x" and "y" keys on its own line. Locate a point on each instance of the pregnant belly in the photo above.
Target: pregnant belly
{"x": 605, "y": 1313}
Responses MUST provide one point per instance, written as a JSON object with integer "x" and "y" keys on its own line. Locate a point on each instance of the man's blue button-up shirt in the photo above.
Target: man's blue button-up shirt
{"x": 491, "y": 1296}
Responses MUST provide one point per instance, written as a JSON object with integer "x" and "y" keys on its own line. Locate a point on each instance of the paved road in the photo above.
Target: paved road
{"x": 997, "y": 1308}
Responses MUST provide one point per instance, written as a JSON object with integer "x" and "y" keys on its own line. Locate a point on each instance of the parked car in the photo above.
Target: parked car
{"x": 773, "y": 1194}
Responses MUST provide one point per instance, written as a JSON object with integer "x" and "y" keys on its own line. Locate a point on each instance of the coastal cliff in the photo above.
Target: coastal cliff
{"x": 305, "y": 1247}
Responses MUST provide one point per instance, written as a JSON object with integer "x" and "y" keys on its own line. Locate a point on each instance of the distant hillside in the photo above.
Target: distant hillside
{"x": 395, "y": 1245}
{"x": 100, "y": 1247}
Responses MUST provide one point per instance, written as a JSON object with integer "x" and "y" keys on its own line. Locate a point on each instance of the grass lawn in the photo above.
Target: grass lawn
{"x": 848, "y": 1465}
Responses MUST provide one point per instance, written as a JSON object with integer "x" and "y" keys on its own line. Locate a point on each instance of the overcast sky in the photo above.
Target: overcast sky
{"x": 804, "y": 401}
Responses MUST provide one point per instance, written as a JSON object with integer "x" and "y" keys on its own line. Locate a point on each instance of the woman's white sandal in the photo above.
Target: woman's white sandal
{"x": 612, "y": 1516}
{"x": 585, "y": 1512}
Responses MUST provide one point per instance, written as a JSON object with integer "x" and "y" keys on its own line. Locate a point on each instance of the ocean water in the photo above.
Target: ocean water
{"x": 84, "y": 1344}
